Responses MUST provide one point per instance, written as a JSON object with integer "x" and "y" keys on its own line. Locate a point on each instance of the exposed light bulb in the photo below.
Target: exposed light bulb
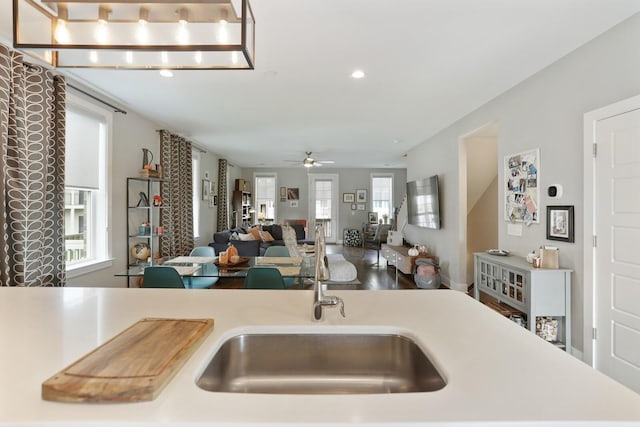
{"x": 164, "y": 57}
{"x": 198, "y": 57}
{"x": 142, "y": 32}
{"x": 223, "y": 32}
{"x": 182, "y": 35}
{"x": 128, "y": 56}
{"x": 102, "y": 32}
{"x": 61, "y": 32}
{"x": 93, "y": 56}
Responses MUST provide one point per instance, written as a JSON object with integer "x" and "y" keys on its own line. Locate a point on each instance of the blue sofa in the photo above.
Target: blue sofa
{"x": 221, "y": 240}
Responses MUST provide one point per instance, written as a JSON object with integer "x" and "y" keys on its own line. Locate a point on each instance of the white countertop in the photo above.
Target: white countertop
{"x": 497, "y": 373}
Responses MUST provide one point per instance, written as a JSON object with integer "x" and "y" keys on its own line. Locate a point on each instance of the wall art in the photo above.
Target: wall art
{"x": 560, "y": 223}
{"x": 522, "y": 189}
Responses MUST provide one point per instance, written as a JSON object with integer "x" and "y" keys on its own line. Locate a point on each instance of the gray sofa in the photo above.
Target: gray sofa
{"x": 221, "y": 240}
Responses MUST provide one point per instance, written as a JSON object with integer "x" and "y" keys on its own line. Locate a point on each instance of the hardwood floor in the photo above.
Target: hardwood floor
{"x": 371, "y": 277}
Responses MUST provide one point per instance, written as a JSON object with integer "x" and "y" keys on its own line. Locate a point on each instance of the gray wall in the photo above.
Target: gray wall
{"x": 545, "y": 111}
{"x": 349, "y": 181}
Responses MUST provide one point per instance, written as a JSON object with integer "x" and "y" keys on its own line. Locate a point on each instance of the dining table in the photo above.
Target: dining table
{"x": 301, "y": 268}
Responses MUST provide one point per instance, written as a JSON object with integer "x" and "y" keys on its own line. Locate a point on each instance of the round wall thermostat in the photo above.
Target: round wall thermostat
{"x": 554, "y": 191}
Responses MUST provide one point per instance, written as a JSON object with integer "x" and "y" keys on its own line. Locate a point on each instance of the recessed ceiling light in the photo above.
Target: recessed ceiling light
{"x": 358, "y": 74}
{"x": 166, "y": 73}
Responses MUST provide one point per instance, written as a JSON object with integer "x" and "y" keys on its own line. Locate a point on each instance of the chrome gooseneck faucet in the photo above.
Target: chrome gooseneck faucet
{"x": 322, "y": 273}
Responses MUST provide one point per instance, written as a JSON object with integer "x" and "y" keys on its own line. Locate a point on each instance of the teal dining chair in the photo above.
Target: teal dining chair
{"x": 162, "y": 277}
{"x": 263, "y": 278}
{"x": 210, "y": 269}
{"x": 277, "y": 251}
{"x": 281, "y": 251}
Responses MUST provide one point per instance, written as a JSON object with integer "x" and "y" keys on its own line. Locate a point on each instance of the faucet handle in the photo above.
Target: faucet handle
{"x": 341, "y": 305}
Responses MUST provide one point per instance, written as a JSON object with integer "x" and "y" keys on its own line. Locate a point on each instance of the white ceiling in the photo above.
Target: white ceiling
{"x": 428, "y": 63}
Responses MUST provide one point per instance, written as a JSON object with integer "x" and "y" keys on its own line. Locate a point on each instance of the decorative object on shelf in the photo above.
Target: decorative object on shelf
{"x": 157, "y": 200}
{"x": 348, "y": 197}
{"x": 547, "y": 328}
{"x": 361, "y": 196}
{"x": 141, "y": 251}
{"x": 147, "y": 158}
{"x": 143, "y": 201}
{"x": 373, "y": 217}
{"x": 144, "y": 229}
{"x": 522, "y": 192}
{"x": 560, "y": 223}
{"x": 414, "y": 251}
{"x": 146, "y": 34}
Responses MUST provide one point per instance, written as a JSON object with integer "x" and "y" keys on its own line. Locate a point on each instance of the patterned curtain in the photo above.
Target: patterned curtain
{"x": 32, "y": 152}
{"x": 223, "y": 202}
{"x": 176, "y": 161}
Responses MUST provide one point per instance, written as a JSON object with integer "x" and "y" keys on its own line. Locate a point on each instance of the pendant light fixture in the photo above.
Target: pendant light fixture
{"x": 150, "y": 34}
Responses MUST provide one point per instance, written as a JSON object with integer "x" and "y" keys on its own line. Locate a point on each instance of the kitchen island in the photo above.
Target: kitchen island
{"x": 497, "y": 373}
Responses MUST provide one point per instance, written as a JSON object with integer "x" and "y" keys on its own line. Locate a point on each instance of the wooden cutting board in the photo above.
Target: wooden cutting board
{"x": 133, "y": 366}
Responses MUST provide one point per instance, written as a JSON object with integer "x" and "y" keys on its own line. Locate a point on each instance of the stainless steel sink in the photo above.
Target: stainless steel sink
{"x": 320, "y": 364}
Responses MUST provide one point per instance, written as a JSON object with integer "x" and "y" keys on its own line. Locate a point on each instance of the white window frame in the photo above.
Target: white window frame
{"x": 383, "y": 175}
{"x": 276, "y": 196}
{"x": 101, "y": 204}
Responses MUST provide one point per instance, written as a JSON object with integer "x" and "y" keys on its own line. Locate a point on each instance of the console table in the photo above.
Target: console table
{"x": 398, "y": 256}
{"x": 536, "y": 292}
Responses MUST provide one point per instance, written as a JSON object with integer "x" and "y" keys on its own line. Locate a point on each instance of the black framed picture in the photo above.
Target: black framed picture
{"x": 560, "y": 223}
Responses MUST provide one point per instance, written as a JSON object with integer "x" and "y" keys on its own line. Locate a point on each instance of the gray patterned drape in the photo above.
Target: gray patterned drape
{"x": 223, "y": 202}
{"x": 32, "y": 152}
{"x": 176, "y": 161}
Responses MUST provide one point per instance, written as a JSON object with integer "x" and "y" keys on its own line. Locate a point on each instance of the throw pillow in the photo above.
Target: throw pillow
{"x": 255, "y": 232}
{"x": 265, "y": 236}
{"x": 234, "y": 236}
{"x": 245, "y": 237}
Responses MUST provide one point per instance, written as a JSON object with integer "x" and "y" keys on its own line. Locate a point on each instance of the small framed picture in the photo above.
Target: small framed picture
{"x": 293, "y": 203}
{"x": 213, "y": 201}
{"x": 361, "y": 196}
{"x": 348, "y": 197}
{"x": 360, "y": 206}
{"x": 283, "y": 194}
{"x": 206, "y": 189}
{"x": 373, "y": 217}
{"x": 560, "y": 223}
{"x": 354, "y": 206}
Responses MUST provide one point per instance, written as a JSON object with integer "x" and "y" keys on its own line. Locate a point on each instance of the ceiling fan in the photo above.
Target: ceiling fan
{"x": 309, "y": 161}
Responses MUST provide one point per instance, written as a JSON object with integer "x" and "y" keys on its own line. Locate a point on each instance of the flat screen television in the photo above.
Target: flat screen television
{"x": 423, "y": 203}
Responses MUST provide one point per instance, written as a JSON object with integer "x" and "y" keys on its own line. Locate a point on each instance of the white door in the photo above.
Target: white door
{"x": 323, "y": 204}
{"x": 617, "y": 253}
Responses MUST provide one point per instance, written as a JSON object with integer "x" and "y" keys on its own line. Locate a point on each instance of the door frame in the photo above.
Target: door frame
{"x": 591, "y": 120}
{"x": 335, "y": 178}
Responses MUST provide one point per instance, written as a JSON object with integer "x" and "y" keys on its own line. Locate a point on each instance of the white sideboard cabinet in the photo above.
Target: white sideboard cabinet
{"x": 541, "y": 295}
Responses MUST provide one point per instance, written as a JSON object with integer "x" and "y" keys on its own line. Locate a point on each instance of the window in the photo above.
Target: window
{"x": 382, "y": 196}
{"x": 197, "y": 190}
{"x": 324, "y": 198}
{"x": 265, "y": 198}
{"x": 87, "y": 243}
